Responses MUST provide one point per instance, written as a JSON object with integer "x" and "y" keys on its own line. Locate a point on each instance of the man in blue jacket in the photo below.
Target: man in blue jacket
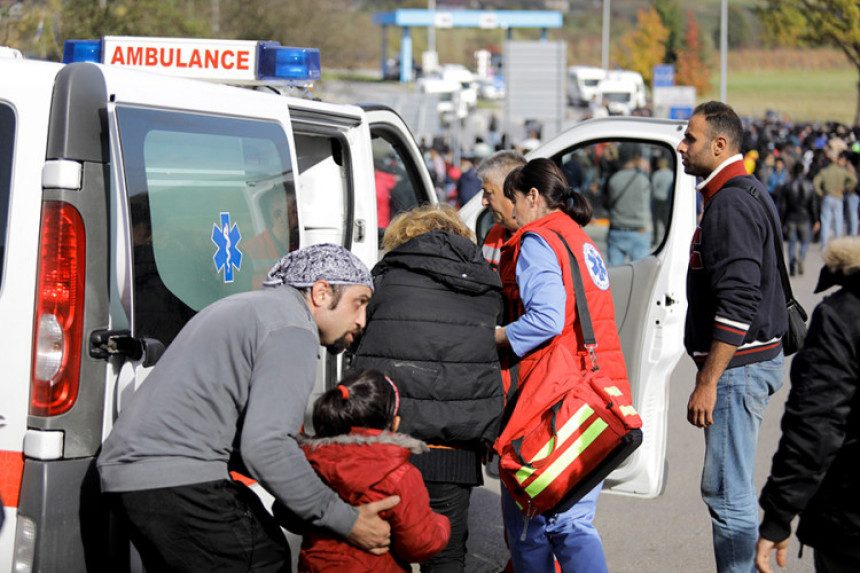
{"x": 735, "y": 321}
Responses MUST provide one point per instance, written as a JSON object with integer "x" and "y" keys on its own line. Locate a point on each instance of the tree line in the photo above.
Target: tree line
{"x": 645, "y": 32}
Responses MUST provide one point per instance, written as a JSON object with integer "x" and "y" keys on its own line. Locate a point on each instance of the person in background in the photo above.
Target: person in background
{"x": 280, "y": 236}
{"x": 469, "y": 183}
{"x": 356, "y": 450}
{"x": 750, "y": 160}
{"x": 662, "y": 188}
{"x": 536, "y": 277}
{"x": 736, "y": 318}
{"x": 852, "y": 200}
{"x": 814, "y": 472}
{"x": 628, "y": 199}
{"x": 430, "y": 327}
{"x": 798, "y": 211}
{"x": 778, "y": 176}
{"x": 219, "y": 398}
{"x": 492, "y": 172}
{"x": 831, "y": 184}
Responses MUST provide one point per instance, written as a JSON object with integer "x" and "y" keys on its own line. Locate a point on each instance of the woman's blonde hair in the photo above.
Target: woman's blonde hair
{"x": 406, "y": 226}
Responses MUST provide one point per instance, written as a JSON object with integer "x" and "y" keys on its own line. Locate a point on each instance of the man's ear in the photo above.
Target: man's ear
{"x": 320, "y": 292}
{"x": 720, "y": 145}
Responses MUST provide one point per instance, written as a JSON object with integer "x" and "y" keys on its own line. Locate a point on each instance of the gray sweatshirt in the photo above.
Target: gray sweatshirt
{"x": 238, "y": 375}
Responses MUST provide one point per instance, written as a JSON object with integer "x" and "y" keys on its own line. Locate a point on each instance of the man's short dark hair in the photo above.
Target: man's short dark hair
{"x": 722, "y": 120}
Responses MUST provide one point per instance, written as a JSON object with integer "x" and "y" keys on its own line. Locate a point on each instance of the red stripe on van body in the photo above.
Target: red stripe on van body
{"x": 11, "y": 468}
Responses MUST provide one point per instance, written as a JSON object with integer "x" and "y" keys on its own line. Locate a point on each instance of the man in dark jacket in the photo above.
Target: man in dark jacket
{"x": 430, "y": 327}
{"x": 735, "y": 321}
{"x": 815, "y": 468}
{"x": 798, "y": 210}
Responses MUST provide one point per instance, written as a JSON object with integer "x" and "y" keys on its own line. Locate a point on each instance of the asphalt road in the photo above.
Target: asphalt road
{"x": 671, "y": 533}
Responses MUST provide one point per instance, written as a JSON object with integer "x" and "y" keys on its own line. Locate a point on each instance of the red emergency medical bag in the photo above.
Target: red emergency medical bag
{"x": 589, "y": 426}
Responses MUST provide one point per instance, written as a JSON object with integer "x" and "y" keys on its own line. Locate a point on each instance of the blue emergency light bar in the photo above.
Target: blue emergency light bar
{"x": 82, "y": 51}
{"x": 279, "y": 62}
{"x": 228, "y": 61}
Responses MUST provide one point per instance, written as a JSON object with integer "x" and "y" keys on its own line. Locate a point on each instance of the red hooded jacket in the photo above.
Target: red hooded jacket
{"x": 564, "y": 354}
{"x": 368, "y": 465}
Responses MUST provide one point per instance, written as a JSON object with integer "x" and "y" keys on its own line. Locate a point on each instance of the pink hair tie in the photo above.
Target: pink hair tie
{"x": 396, "y": 396}
{"x": 344, "y": 391}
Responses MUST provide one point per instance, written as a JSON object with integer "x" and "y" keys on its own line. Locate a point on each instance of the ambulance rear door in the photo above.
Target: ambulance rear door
{"x": 205, "y": 201}
{"x": 648, "y": 292}
{"x": 359, "y": 167}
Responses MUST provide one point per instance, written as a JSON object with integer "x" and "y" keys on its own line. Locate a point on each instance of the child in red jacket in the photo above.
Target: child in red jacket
{"x": 358, "y": 453}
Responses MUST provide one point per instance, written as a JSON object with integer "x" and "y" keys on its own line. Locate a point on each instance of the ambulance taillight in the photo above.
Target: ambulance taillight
{"x": 57, "y": 339}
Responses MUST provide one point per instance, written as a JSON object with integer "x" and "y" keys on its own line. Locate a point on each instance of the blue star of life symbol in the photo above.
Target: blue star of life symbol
{"x": 228, "y": 256}
{"x": 596, "y": 267}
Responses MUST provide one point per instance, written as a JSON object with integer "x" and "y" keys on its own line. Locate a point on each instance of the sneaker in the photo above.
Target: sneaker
{"x": 800, "y": 267}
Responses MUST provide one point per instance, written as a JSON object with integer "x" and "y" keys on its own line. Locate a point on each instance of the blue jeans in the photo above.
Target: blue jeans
{"x": 728, "y": 488}
{"x": 624, "y": 245}
{"x": 852, "y": 201}
{"x": 795, "y": 231}
{"x": 831, "y": 214}
{"x": 569, "y": 537}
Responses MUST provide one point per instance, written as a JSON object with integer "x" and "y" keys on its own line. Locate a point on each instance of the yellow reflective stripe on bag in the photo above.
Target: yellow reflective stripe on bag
{"x": 567, "y": 458}
{"x": 628, "y": 411}
{"x": 566, "y": 431}
{"x": 613, "y": 391}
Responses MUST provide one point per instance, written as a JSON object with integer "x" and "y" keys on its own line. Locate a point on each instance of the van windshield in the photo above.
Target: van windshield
{"x": 213, "y": 207}
{"x": 7, "y": 142}
{"x": 617, "y": 97}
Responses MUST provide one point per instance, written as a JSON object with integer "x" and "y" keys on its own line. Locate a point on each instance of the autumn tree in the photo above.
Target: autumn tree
{"x": 90, "y": 19}
{"x": 692, "y": 68}
{"x": 816, "y": 22}
{"x": 346, "y": 38}
{"x": 670, "y": 16}
{"x": 644, "y": 47}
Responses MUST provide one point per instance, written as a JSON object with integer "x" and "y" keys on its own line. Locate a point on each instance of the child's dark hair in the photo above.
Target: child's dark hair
{"x": 545, "y": 176}
{"x": 363, "y": 398}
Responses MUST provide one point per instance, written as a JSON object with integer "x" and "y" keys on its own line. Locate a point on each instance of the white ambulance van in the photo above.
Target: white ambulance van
{"x": 130, "y": 198}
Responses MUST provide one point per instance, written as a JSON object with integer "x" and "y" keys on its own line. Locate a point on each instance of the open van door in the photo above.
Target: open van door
{"x": 649, "y": 293}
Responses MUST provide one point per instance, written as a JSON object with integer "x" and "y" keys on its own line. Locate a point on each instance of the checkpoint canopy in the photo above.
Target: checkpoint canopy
{"x": 484, "y": 19}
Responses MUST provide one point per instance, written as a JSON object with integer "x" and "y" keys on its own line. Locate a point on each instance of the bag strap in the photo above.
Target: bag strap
{"x": 780, "y": 257}
{"x": 581, "y": 304}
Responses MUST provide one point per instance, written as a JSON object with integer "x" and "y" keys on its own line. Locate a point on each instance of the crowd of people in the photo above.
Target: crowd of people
{"x": 810, "y": 171}
{"x": 444, "y": 334}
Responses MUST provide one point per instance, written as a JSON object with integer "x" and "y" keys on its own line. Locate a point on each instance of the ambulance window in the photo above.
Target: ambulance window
{"x": 212, "y": 205}
{"x": 325, "y": 175}
{"x": 398, "y": 185}
{"x": 631, "y": 186}
{"x": 7, "y": 141}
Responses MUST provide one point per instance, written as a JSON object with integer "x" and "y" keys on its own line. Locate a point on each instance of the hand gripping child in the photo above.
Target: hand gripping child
{"x": 358, "y": 453}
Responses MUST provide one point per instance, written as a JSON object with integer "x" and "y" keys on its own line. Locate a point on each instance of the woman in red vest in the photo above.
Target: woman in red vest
{"x": 536, "y": 277}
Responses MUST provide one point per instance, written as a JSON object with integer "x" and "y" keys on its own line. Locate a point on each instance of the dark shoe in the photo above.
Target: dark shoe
{"x": 800, "y": 267}
{"x": 791, "y": 268}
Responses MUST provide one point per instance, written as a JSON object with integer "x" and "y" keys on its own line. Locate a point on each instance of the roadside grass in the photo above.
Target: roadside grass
{"x": 809, "y": 95}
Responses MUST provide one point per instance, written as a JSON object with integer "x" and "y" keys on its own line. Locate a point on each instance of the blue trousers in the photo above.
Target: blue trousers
{"x": 567, "y": 537}
{"x": 627, "y": 246}
{"x": 852, "y": 202}
{"x": 831, "y": 215}
{"x": 728, "y": 488}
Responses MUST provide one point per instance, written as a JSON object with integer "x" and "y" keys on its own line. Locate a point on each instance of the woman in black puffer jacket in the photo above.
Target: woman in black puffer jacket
{"x": 430, "y": 328}
{"x": 814, "y": 470}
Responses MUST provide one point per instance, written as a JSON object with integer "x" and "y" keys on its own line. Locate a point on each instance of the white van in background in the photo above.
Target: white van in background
{"x": 582, "y": 82}
{"x": 624, "y": 90}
